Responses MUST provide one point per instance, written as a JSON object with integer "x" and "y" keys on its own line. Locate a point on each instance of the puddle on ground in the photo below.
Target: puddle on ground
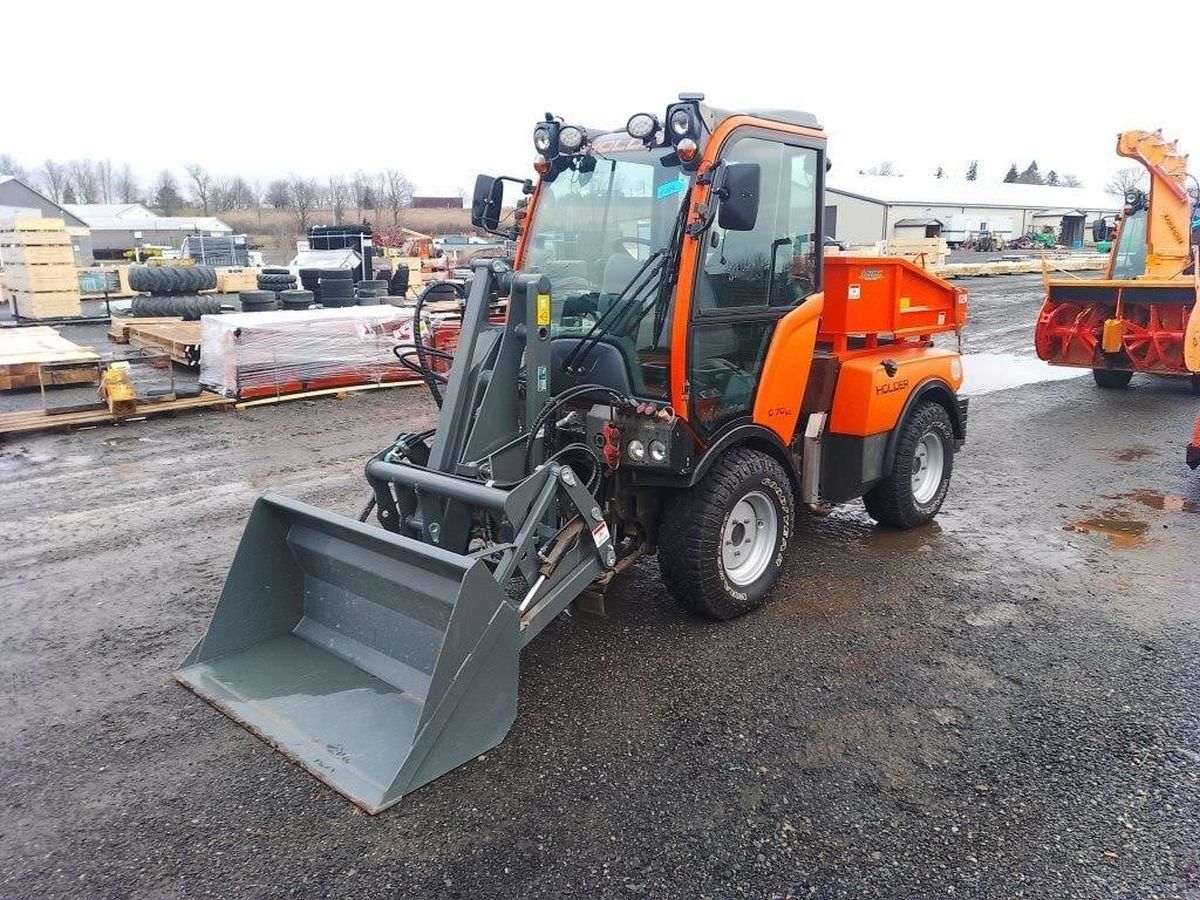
{"x": 1160, "y": 501}
{"x": 984, "y": 373}
{"x": 1133, "y": 454}
{"x": 1123, "y": 533}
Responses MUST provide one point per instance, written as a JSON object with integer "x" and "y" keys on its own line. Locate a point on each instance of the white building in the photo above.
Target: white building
{"x": 117, "y": 227}
{"x": 863, "y": 209}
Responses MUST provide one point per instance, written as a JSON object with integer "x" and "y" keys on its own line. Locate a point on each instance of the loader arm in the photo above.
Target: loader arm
{"x": 381, "y": 658}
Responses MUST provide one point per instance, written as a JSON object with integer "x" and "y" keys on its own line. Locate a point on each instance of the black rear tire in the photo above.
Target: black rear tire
{"x": 695, "y": 525}
{"x": 893, "y": 501}
{"x": 1112, "y": 379}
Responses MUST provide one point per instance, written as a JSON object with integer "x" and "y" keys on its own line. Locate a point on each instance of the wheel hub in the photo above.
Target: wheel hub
{"x": 749, "y": 537}
{"x": 929, "y": 461}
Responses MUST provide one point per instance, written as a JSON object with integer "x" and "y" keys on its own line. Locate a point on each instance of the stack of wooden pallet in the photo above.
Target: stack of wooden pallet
{"x": 39, "y": 268}
{"x": 24, "y": 352}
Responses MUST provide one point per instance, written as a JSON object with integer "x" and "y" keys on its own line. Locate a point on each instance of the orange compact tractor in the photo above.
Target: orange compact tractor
{"x": 1142, "y": 316}
{"x": 681, "y": 371}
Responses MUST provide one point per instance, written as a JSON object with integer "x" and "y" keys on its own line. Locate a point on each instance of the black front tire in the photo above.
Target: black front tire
{"x": 892, "y": 501}
{"x": 1112, "y": 379}
{"x": 693, "y": 528}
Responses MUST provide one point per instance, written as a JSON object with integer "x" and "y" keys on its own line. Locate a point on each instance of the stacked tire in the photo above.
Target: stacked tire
{"x": 172, "y": 280}
{"x": 335, "y": 287}
{"x": 341, "y": 294}
{"x": 258, "y": 301}
{"x": 296, "y": 299}
{"x": 371, "y": 293}
{"x": 276, "y": 280}
{"x": 188, "y": 308}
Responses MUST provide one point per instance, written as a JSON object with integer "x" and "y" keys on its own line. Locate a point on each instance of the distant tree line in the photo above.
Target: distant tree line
{"x": 101, "y": 181}
{"x": 1032, "y": 175}
{"x": 1029, "y": 175}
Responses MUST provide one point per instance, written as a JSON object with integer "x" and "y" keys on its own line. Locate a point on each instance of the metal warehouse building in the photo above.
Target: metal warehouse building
{"x": 119, "y": 227}
{"x": 19, "y": 201}
{"x": 863, "y": 209}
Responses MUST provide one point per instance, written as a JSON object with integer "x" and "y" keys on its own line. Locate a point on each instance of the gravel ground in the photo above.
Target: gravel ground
{"x": 1003, "y": 704}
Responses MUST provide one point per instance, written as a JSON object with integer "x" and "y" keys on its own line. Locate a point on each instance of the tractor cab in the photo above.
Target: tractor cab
{"x": 608, "y": 226}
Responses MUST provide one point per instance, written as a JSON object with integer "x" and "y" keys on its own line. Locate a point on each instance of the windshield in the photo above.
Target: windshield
{"x": 592, "y": 232}
{"x": 1130, "y": 258}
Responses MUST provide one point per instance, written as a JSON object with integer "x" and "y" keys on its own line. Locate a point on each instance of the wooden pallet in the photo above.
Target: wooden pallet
{"x": 44, "y": 304}
{"x": 40, "y": 420}
{"x": 234, "y": 280}
{"x": 37, "y": 278}
{"x": 118, "y": 328}
{"x": 180, "y": 339}
{"x": 40, "y": 278}
{"x": 28, "y": 254}
{"x": 24, "y": 350}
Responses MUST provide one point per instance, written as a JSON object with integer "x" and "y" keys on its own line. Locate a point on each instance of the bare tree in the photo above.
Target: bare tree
{"x": 399, "y": 193}
{"x": 126, "y": 185}
{"x": 10, "y": 166}
{"x": 104, "y": 180}
{"x": 54, "y": 179}
{"x": 379, "y": 188}
{"x": 83, "y": 178}
{"x": 884, "y": 168}
{"x": 360, "y": 186}
{"x": 1124, "y": 180}
{"x": 339, "y": 196}
{"x": 201, "y": 185}
{"x": 256, "y": 194}
{"x": 304, "y": 195}
{"x": 278, "y": 194}
{"x": 1066, "y": 179}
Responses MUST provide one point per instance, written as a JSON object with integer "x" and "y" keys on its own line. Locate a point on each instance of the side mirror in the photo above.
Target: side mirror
{"x": 739, "y": 192}
{"x": 486, "y": 202}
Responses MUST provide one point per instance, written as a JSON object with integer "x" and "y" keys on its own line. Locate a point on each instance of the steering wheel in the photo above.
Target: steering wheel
{"x": 641, "y": 241}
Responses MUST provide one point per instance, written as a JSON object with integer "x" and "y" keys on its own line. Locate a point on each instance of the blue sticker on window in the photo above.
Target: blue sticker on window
{"x": 669, "y": 188}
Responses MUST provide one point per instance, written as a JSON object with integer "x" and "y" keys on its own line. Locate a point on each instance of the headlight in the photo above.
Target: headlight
{"x": 641, "y": 126}
{"x": 658, "y": 451}
{"x": 570, "y": 138}
{"x": 636, "y": 450}
{"x": 543, "y": 138}
{"x": 681, "y": 122}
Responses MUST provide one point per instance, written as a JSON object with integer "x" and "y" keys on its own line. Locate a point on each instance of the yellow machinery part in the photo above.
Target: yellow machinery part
{"x": 1110, "y": 340}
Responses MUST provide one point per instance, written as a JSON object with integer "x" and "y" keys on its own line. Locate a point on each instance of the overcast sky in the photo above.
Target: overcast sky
{"x": 443, "y": 91}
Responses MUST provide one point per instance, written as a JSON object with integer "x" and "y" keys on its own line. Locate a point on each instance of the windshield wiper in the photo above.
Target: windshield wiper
{"x": 580, "y": 352}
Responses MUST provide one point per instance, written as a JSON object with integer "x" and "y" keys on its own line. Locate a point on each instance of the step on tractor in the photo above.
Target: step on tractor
{"x": 1143, "y": 315}
{"x": 680, "y": 371}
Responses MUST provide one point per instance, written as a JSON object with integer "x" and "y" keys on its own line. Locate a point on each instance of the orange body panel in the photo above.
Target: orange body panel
{"x": 785, "y": 370}
{"x": 1168, "y": 222}
{"x": 690, "y": 254}
{"x": 868, "y": 401}
{"x": 874, "y": 295}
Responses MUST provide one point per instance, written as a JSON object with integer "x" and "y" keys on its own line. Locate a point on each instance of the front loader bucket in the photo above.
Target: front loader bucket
{"x": 375, "y": 661}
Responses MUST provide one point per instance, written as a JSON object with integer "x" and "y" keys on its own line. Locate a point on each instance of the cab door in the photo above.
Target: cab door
{"x": 746, "y": 281}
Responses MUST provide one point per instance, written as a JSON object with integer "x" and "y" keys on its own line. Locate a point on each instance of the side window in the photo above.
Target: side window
{"x": 777, "y": 264}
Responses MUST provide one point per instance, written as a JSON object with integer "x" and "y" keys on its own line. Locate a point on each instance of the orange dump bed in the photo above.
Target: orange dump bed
{"x": 886, "y": 296}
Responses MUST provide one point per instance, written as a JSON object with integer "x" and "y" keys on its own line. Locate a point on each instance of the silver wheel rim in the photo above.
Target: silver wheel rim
{"x": 748, "y": 538}
{"x": 929, "y": 461}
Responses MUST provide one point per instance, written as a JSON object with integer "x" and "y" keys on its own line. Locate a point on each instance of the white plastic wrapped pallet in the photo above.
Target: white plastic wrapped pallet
{"x": 262, "y": 353}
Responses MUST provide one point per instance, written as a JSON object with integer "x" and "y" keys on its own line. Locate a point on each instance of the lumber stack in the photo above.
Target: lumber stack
{"x": 39, "y": 268}
{"x": 925, "y": 252}
{"x": 180, "y": 340}
{"x": 24, "y": 351}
